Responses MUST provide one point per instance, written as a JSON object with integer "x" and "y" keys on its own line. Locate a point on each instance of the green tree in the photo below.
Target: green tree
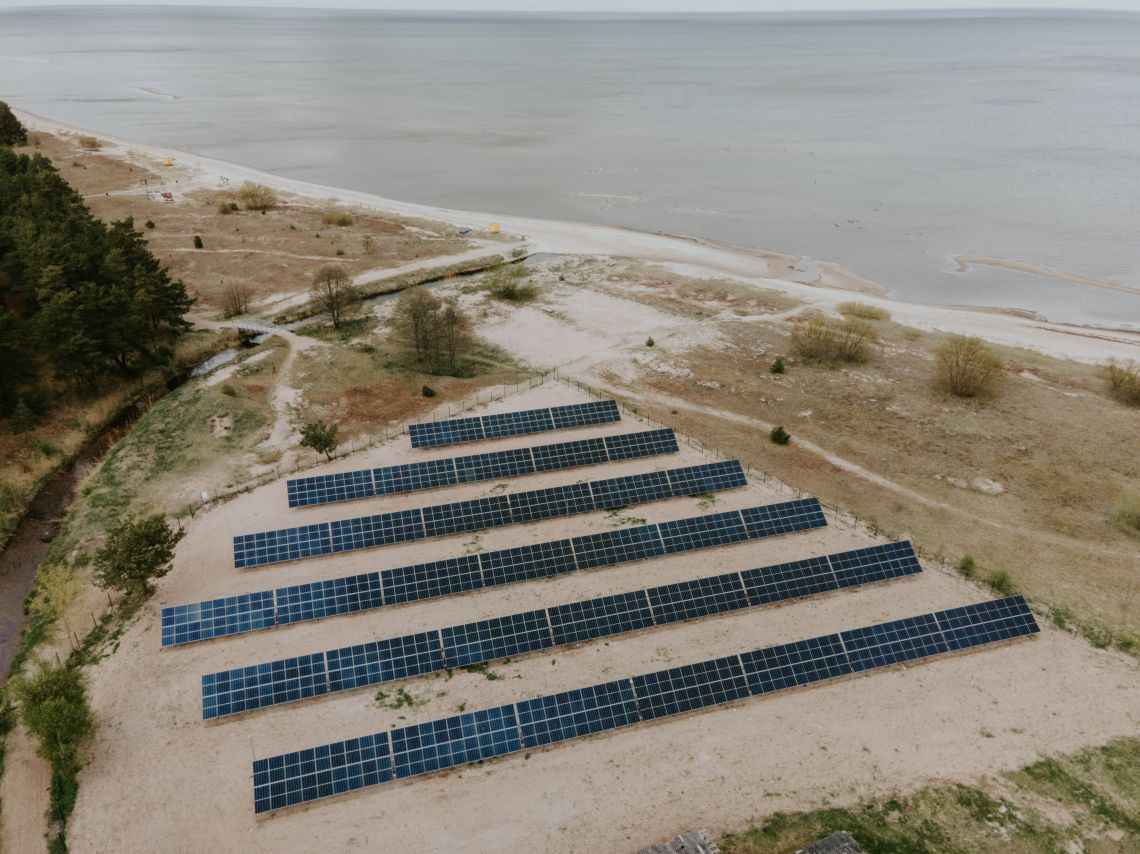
{"x": 319, "y": 436}
{"x": 136, "y": 551}
{"x": 17, "y": 365}
{"x": 11, "y": 131}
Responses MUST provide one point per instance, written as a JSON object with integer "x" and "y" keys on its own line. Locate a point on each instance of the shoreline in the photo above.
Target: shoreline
{"x": 827, "y": 284}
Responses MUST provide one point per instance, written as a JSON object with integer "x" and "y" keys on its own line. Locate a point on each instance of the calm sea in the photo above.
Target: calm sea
{"x": 886, "y": 144}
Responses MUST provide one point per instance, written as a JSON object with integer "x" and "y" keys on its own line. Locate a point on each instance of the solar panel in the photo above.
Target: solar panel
{"x": 429, "y": 580}
{"x": 631, "y": 489}
{"x": 501, "y": 637}
{"x": 691, "y": 686}
{"x": 785, "y": 518}
{"x": 698, "y": 598}
{"x": 620, "y": 546}
{"x": 412, "y": 477}
{"x": 572, "y": 714}
{"x": 384, "y": 660}
{"x": 549, "y": 503}
{"x": 327, "y": 488}
{"x": 506, "y": 566}
{"x": 320, "y": 599}
{"x": 987, "y": 622}
{"x": 595, "y": 618}
{"x": 460, "y": 516}
{"x": 285, "y": 544}
{"x": 230, "y": 615}
{"x": 646, "y": 444}
{"x": 450, "y": 432}
{"x": 707, "y": 477}
{"x": 259, "y": 685}
{"x": 702, "y": 532}
{"x": 383, "y": 529}
{"x": 517, "y": 423}
{"x": 494, "y": 465}
{"x": 786, "y": 581}
{"x": 320, "y": 772}
{"x": 582, "y": 414}
{"x": 875, "y": 563}
{"x": 470, "y": 737}
{"x": 566, "y": 455}
{"x": 893, "y": 642}
{"x": 788, "y": 665}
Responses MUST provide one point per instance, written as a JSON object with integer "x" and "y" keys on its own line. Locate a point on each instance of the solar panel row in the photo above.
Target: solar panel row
{"x": 457, "y": 430}
{"x": 231, "y": 692}
{"x": 365, "y": 532}
{"x": 220, "y": 617}
{"x": 309, "y": 775}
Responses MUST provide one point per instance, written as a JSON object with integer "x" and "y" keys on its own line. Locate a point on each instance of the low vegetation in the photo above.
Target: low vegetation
{"x": 967, "y": 367}
{"x": 831, "y": 342}
{"x": 339, "y": 218}
{"x": 1126, "y": 515}
{"x": 510, "y": 282}
{"x": 1123, "y": 381}
{"x": 89, "y": 143}
{"x": 863, "y": 311}
{"x": 780, "y": 436}
{"x": 256, "y": 197}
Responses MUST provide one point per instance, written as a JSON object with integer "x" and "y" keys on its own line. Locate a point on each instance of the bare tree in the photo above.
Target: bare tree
{"x": 235, "y": 299}
{"x": 334, "y": 294}
{"x": 415, "y": 316}
{"x": 455, "y": 332}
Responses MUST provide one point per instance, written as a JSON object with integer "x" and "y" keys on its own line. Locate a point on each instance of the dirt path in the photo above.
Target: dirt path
{"x": 24, "y": 795}
{"x": 286, "y": 400}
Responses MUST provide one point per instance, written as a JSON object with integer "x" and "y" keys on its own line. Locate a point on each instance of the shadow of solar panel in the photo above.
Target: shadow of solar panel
{"x": 411, "y": 477}
{"x": 230, "y": 615}
{"x": 517, "y": 423}
{"x": 649, "y": 443}
{"x": 775, "y": 668}
{"x": 460, "y": 516}
{"x": 893, "y": 642}
{"x": 987, "y": 622}
{"x": 260, "y": 685}
{"x": 701, "y": 597}
{"x": 875, "y": 563}
{"x": 281, "y": 545}
{"x": 567, "y": 455}
{"x": 428, "y": 580}
{"x": 596, "y": 618}
{"x": 327, "y": 488}
{"x": 786, "y": 581}
{"x": 497, "y": 464}
{"x": 320, "y": 599}
{"x": 320, "y": 772}
{"x": 692, "y": 686}
{"x": 383, "y": 529}
{"x": 507, "y": 566}
{"x": 470, "y": 737}
{"x": 450, "y": 432}
{"x": 620, "y": 546}
{"x": 572, "y": 714}
{"x": 702, "y": 532}
{"x": 631, "y": 489}
{"x": 384, "y": 660}
{"x": 502, "y": 637}
{"x": 581, "y": 414}
{"x": 550, "y": 503}
{"x": 784, "y": 518}
{"x": 707, "y": 477}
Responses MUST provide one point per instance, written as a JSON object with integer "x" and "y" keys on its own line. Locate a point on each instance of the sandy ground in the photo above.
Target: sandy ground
{"x": 162, "y": 780}
{"x": 24, "y": 793}
{"x": 817, "y": 282}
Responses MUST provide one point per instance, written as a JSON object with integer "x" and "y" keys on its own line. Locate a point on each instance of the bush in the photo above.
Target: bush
{"x": 1001, "y": 582}
{"x": 968, "y": 367}
{"x": 198, "y": 244}
{"x": 649, "y": 342}
{"x": 136, "y": 552}
{"x": 332, "y": 216}
{"x": 24, "y": 418}
{"x": 319, "y": 436}
{"x": 509, "y": 282}
{"x": 1126, "y": 516}
{"x": 150, "y": 223}
{"x": 256, "y": 197}
{"x": 229, "y": 391}
{"x": 863, "y": 311}
{"x": 226, "y": 208}
{"x": 428, "y": 391}
{"x": 89, "y": 143}
{"x": 339, "y": 253}
{"x": 830, "y": 342}
{"x": 780, "y": 436}
{"x": 777, "y": 366}
{"x": 967, "y": 567}
{"x": 1123, "y": 380}
{"x": 53, "y": 706}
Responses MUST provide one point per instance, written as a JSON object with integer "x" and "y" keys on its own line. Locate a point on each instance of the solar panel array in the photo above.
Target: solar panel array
{"x": 457, "y": 430}
{"x": 248, "y": 688}
{"x": 314, "y": 601}
{"x": 309, "y": 775}
{"x": 433, "y": 474}
{"x": 478, "y": 514}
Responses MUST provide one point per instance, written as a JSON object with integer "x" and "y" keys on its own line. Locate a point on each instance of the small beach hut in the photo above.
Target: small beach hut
{"x": 493, "y": 228}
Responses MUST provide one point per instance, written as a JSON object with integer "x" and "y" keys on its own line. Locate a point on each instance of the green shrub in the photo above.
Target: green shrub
{"x": 780, "y": 436}
{"x": 150, "y": 223}
{"x": 649, "y": 342}
{"x": 830, "y": 342}
{"x": 229, "y": 391}
{"x": 1123, "y": 380}
{"x": 509, "y": 282}
{"x": 428, "y": 391}
{"x": 256, "y": 197}
{"x": 777, "y": 366}
{"x": 1001, "y": 582}
{"x": 339, "y": 253}
{"x": 863, "y": 311}
{"x": 967, "y": 367}
{"x": 198, "y": 244}
{"x": 967, "y": 568}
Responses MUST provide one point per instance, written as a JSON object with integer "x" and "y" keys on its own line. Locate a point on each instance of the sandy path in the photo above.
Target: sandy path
{"x": 286, "y": 401}
{"x": 24, "y": 793}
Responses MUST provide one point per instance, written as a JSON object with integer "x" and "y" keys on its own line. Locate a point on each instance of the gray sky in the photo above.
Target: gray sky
{"x": 616, "y": 5}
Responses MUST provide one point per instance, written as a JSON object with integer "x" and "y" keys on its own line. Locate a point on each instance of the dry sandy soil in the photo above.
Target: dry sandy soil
{"x": 161, "y": 779}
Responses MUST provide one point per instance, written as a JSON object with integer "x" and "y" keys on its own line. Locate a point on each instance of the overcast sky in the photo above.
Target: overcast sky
{"x": 616, "y": 5}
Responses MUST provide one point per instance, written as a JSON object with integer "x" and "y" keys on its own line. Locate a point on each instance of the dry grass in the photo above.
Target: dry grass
{"x": 863, "y": 311}
{"x": 967, "y": 367}
{"x": 1123, "y": 381}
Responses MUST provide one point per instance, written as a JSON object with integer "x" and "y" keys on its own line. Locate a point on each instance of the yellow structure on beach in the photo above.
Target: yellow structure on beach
{"x": 493, "y": 228}
{"x": 168, "y": 161}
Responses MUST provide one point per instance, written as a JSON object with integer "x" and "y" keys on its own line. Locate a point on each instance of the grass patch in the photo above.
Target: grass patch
{"x": 863, "y": 311}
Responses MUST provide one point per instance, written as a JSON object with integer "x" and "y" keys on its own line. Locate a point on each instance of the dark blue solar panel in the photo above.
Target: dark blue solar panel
{"x": 893, "y": 642}
{"x": 411, "y": 477}
{"x": 327, "y": 598}
{"x": 702, "y": 532}
{"x": 451, "y": 432}
{"x": 517, "y": 423}
{"x": 581, "y": 414}
{"x": 620, "y": 546}
{"x": 698, "y": 598}
{"x": 383, "y": 529}
{"x": 428, "y": 580}
{"x": 646, "y": 444}
{"x": 785, "y": 518}
{"x": 384, "y": 660}
{"x": 216, "y": 618}
{"x": 707, "y": 477}
{"x": 789, "y": 580}
{"x": 502, "y": 637}
{"x": 788, "y": 665}
{"x": 494, "y": 465}
{"x": 875, "y": 563}
{"x": 470, "y": 737}
{"x": 320, "y": 772}
{"x": 284, "y": 544}
{"x": 566, "y": 455}
{"x": 631, "y": 489}
{"x": 506, "y": 566}
{"x": 572, "y": 714}
{"x": 462, "y": 516}
{"x": 595, "y": 618}
{"x": 247, "y": 688}
{"x": 987, "y": 622}
{"x": 327, "y": 488}
{"x": 550, "y": 503}
{"x": 692, "y": 686}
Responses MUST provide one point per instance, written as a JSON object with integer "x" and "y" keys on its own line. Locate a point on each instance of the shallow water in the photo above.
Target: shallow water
{"x": 886, "y": 144}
